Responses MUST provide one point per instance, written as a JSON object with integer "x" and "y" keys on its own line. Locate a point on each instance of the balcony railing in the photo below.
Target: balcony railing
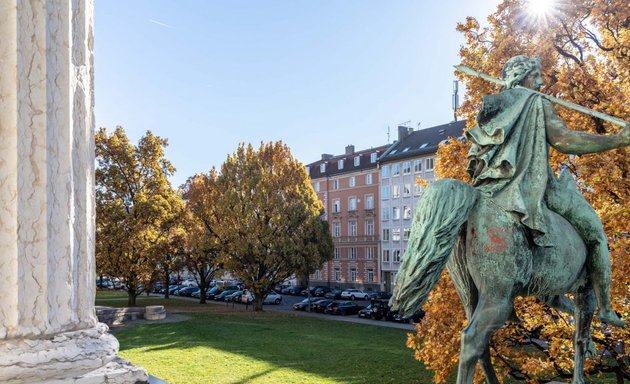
{"x": 355, "y": 239}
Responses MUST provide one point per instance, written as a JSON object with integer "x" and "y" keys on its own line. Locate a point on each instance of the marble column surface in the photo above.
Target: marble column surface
{"x": 48, "y": 327}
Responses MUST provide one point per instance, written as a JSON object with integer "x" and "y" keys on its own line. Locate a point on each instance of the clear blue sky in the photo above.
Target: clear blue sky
{"x": 316, "y": 74}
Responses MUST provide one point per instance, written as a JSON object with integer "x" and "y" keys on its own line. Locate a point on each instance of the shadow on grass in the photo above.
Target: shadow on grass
{"x": 343, "y": 352}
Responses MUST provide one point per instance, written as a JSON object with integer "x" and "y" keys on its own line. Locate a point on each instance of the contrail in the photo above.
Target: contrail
{"x": 161, "y": 24}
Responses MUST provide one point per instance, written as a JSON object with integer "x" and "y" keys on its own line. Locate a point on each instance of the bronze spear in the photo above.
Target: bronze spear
{"x": 568, "y": 104}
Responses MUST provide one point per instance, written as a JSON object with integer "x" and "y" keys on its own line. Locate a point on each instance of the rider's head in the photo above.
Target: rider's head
{"x": 517, "y": 69}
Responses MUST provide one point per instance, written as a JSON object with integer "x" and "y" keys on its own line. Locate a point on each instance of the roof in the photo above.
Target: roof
{"x": 332, "y": 162}
{"x": 423, "y": 142}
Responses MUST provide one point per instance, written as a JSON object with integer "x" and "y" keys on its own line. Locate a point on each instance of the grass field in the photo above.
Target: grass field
{"x": 225, "y": 345}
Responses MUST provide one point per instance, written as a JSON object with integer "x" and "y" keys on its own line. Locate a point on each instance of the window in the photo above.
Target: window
{"x": 406, "y": 233}
{"x": 318, "y": 275}
{"x": 335, "y": 184}
{"x": 352, "y": 204}
{"x": 352, "y": 228}
{"x": 317, "y": 187}
{"x": 407, "y": 190}
{"x": 337, "y": 274}
{"x": 357, "y": 161}
{"x": 406, "y": 212}
{"x": 396, "y": 169}
{"x": 385, "y": 192}
{"x": 385, "y": 171}
{"x": 353, "y": 253}
{"x": 407, "y": 167}
{"x": 370, "y": 275}
{"x": 395, "y": 213}
{"x": 395, "y": 191}
{"x": 397, "y": 256}
{"x": 337, "y": 253}
{"x": 385, "y": 213}
{"x": 386, "y": 255}
{"x": 396, "y": 234}
{"x": 336, "y": 206}
{"x": 353, "y": 274}
{"x": 336, "y": 229}
{"x": 368, "y": 179}
{"x": 352, "y": 181}
{"x": 430, "y": 163}
{"x": 417, "y": 189}
{"x": 340, "y": 164}
{"x": 369, "y": 202}
{"x": 417, "y": 165}
{"x": 373, "y": 157}
{"x": 322, "y": 167}
{"x": 369, "y": 253}
{"x": 386, "y": 234}
{"x": 369, "y": 227}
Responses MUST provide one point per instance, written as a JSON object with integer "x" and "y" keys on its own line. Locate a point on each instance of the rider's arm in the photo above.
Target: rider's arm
{"x": 576, "y": 142}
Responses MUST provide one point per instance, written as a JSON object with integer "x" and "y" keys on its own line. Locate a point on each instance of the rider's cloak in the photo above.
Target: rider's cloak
{"x": 508, "y": 160}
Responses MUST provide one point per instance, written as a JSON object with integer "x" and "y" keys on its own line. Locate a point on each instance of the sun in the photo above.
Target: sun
{"x": 540, "y": 8}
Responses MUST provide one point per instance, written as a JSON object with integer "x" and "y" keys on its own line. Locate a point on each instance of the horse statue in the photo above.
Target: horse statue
{"x": 518, "y": 230}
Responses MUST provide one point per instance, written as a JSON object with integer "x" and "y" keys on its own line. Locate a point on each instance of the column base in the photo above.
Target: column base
{"x": 118, "y": 371}
{"x": 58, "y": 358}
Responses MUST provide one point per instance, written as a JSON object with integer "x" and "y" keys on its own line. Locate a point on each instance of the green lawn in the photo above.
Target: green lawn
{"x": 224, "y": 345}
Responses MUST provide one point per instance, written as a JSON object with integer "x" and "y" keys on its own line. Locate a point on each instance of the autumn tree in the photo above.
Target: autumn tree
{"x": 204, "y": 244}
{"x": 270, "y": 224}
{"x": 584, "y": 47}
{"x": 136, "y": 208}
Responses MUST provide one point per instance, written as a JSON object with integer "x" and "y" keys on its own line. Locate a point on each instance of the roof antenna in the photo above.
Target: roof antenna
{"x": 388, "y": 134}
{"x": 455, "y": 100}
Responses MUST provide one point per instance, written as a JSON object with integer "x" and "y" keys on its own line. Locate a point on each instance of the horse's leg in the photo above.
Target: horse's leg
{"x": 486, "y": 365}
{"x": 489, "y": 316}
{"x": 585, "y": 306}
{"x": 561, "y": 303}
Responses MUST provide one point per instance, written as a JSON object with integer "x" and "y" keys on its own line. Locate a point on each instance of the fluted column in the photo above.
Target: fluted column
{"x": 48, "y": 327}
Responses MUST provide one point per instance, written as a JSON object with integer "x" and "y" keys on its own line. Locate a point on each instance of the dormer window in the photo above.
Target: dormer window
{"x": 357, "y": 161}
{"x": 322, "y": 167}
{"x": 340, "y": 164}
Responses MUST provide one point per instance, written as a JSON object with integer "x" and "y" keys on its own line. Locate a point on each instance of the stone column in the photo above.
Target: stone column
{"x": 48, "y": 328}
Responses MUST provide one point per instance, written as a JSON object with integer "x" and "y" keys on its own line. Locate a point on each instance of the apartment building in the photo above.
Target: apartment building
{"x": 411, "y": 156}
{"x": 348, "y": 185}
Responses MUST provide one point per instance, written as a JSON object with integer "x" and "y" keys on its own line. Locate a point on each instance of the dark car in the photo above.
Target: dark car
{"x": 343, "y": 308}
{"x": 321, "y": 291}
{"x": 293, "y": 290}
{"x": 224, "y": 294}
{"x": 366, "y": 313}
{"x": 303, "y": 305}
{"x": 186, "y": 291}
{"x": 380, "y": 309}
{"x": 173, "y": 291}
{"x": 397, "y": 317}
{"x": 380, "y": 295}
{"x": 320, "y": 305}
{"x": 334, "y": 294}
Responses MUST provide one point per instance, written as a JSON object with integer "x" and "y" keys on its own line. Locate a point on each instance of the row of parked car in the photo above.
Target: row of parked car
{"x": 229, "y": 293}
{"x": 329, "y": 293}
{"x": 378, "y": 309}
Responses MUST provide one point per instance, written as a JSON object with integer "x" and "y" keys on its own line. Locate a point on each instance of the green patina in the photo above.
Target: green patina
{"x": 518, "y": 230}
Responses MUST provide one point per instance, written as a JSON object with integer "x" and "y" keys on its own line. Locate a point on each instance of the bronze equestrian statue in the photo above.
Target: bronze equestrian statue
{"x": 518, "y": 230}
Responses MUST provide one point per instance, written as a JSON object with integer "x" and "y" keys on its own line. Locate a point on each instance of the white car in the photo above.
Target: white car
{"x": 354, "y": 294}
{"x": 271, "y": 298}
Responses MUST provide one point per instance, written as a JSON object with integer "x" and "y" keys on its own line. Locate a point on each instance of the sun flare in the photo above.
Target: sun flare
{"x": 540, "y": 8}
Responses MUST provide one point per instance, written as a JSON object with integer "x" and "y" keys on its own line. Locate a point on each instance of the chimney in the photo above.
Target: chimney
{"x": 326, "y": 156}
{"x": 403, "y": 132}
{"x": 350, "y": 149}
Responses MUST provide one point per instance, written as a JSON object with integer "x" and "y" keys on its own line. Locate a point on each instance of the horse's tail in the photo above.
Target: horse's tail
{"x": 440, "y": 213}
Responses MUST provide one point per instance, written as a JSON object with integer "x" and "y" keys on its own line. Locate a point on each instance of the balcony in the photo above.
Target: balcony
{"x": 369, "y": 212}
{"x": 355, "y": 239}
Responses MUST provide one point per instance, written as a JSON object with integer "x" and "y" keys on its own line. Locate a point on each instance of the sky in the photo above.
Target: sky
{"x": 317, "y": 74}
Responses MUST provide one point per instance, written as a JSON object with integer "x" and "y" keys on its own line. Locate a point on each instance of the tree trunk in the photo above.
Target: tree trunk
{"x": 167, "y": 280}
{"x": 131, "y": 296}
{"x": 259, "y": 297}
{"x": 202, "y": 294}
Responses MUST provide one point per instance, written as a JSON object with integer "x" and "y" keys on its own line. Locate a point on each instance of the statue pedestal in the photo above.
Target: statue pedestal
{"x": 48, "y": 327}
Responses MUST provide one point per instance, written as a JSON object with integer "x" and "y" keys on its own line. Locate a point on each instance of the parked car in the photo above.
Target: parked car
{"x": 380, "y": 295}
{"x": 366, "y": 313}
{"x": 380, "y": 309}
{"x": 173, "y": 291}
{"x": 343, "y": 308}
{"x": 272, "y": 298}
{"x": 303, "y": 305}
{"x": 224, "y": 294}
{"x": 293, "y": 290}
{"x": 186, "y": 291}
{"x": 234, "y": 297}
{"x": 334, "y": 294}
{"x": 320, "y": 305}
{"x": 189, "y": 283}
{"x": 353, "y": 294}
{"x": 321, "y": 291}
